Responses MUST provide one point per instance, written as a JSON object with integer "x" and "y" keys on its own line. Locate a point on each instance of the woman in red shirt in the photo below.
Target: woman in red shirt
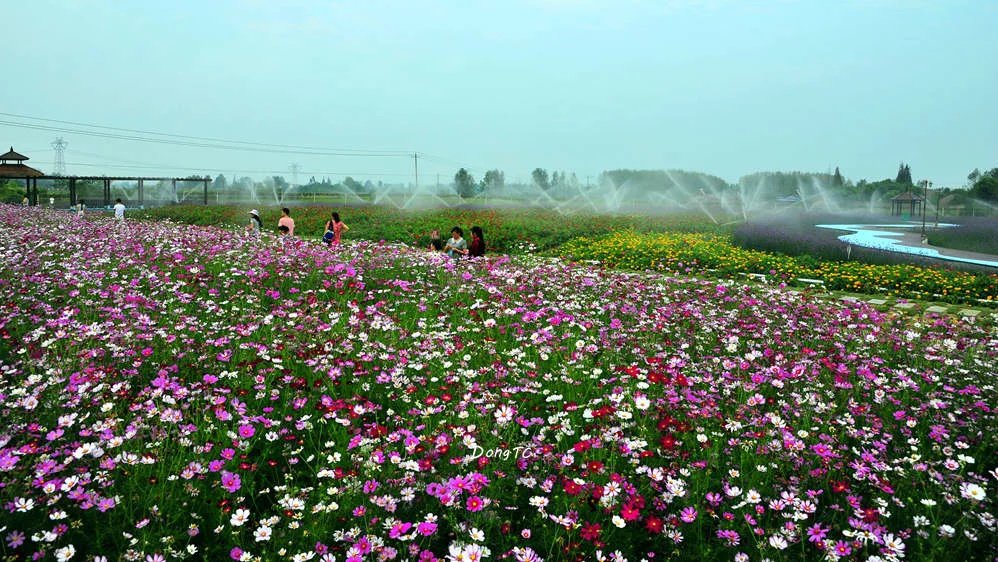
{"x": 477, "y": 247}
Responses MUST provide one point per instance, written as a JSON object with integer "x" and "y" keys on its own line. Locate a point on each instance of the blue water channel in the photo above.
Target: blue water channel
{"x": 867, "y": 236}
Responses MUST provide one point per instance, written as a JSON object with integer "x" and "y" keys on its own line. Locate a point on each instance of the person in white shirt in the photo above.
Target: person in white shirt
{"x": 119, "y": 210}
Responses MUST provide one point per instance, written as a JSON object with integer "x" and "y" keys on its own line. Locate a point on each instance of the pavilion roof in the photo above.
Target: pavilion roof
{"x": 19, "y": 171}
{"x": 11, "y": 155}
{"x": 907, "y": 196}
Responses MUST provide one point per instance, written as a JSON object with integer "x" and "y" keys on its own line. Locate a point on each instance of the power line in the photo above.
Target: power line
{"x": 211, "y": 139}
{"x": 196, "y": 144}
{"x": 223, "y": 170}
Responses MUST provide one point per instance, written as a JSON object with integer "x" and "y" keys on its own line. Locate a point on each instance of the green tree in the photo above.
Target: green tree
{"x": 837, "y": 180}
{"x": 220, "y": 182}
{"x": 493, "y": 180}
{"x": 972, "y": 177}
{"x": 904, "y": 174}
{"x": 464, "y": 183}
{"x": 540, "y": 176}
{"x": 353, "y": 185}
{"x": 986, "y": 188}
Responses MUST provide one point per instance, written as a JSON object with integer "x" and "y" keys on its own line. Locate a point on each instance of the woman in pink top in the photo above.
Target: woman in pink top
{"x": 287, "y": 221}
{"x": 336, "y": 227}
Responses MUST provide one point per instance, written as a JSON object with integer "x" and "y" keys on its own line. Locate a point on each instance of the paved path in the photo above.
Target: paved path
{"x": 914, "y": 239}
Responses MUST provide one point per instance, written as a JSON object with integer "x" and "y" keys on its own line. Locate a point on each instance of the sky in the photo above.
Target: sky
{"x": 727, "y": 88}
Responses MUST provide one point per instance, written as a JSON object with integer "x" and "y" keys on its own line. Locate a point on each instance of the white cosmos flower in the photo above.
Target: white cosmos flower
{"x": 239, "y": 517}
{"x": 972, "y": 492}
{"x": 65, "y": 553}
{"x": 262, "y": 533}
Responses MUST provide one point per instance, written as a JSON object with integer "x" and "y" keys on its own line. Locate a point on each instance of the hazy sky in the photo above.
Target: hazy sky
{"x": 727, "y": 88}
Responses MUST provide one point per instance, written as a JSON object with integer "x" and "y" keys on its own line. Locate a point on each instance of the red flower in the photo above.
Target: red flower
{"x": 591, "y": 531}
{"x": 630, "y": 513}
{"x": 654, "y": 525}
{"x": 668, "y": 442}
{"x": 840, "y": 486}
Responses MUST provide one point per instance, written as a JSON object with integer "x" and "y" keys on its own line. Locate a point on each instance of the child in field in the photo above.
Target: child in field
{"x": 436, "y": 244}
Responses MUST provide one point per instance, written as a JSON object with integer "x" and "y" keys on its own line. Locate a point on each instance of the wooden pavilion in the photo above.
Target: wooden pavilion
{"x": 12, "y": 167}
{"x": 907, "y": 203}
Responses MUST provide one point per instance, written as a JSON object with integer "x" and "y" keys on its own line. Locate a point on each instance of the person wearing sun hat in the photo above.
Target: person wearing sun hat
{"x": 255, "y": 224}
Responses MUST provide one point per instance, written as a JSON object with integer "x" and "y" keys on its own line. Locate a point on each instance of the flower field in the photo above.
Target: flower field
{"x": 693, "y": 252}
{"x": 506, "y": 230}
{"x": 177, "y": 392}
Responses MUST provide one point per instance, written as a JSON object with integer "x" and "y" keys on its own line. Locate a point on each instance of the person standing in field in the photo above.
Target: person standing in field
{"x": 477, "y": 248}
{"x": 119, "y": 210}
{"x": 286, "y": 221}
{"x": 255, "y": 225}
{"x": 334, "y": 229}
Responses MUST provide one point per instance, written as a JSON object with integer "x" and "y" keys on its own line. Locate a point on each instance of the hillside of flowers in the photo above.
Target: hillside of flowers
{"x": 173, "y": 392}
{"x": 693, "y": 252}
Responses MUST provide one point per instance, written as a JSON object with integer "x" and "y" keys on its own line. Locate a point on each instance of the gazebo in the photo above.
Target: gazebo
{"x": 908, "y": 200}
{"x": 12, "y": 167}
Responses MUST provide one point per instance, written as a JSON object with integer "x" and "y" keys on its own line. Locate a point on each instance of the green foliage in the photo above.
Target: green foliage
{"x": 464, "y": 183}
{"x": 783, "y": 184}
{"x": 904, "y": 174}
{"x": 540, "y": 177}
{"x": 664, "y": 180}
{"x": 11, "y": 192}
{"x": 493, "y": 179}
{"x": 986, "y": 186}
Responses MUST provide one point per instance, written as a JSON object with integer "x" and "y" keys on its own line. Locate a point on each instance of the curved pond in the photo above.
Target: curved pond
{"x": 869, "y": 236}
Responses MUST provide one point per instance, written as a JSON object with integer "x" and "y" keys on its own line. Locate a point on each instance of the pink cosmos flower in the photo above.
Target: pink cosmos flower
{"x": 246, "y": 431}
{"x": 231, "y": 481}
{"x": 475, "y": 503}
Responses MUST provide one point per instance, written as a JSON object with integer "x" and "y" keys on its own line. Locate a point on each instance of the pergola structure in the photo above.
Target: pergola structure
{"x": 907, "y": 199}
{"x": 12, "y": 167}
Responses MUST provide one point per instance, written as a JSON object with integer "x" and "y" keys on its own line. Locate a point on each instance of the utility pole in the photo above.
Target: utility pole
{"x": 925, "y": 202}
{"x": 415, "y": 165}
{"x": 939, "y": 197}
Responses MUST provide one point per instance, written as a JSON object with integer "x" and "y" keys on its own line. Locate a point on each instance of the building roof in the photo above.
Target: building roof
{"x": 907, "y": 196}
{"x": 19, "y": 171}
{"x": 11, "y": 155}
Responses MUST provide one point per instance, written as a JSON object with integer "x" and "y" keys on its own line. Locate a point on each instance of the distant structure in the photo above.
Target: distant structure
{"x": 59, "y": 146}
{"x": 907, "y": 199}
{"x": 12, "y": 167}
